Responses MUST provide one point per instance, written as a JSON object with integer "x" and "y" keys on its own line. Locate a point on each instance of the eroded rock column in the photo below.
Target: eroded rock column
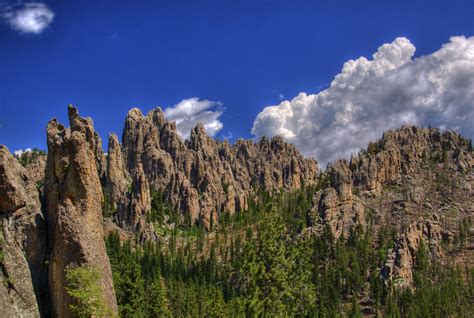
{"x": 74, "y": 208}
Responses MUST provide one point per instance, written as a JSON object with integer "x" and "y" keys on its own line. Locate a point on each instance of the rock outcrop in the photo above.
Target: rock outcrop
{"x": 118, "y": 181}
{"x": 401, "y": 259}
{"x": 35, "y": 164}
{"x": 335, "y": 205}
{"x": 22, "y": 242}
{"x": 201, "y": 177}
{"x": 417, "y": 181}
{"x": 401, "y": 152}
{"x": 73, "y": 195}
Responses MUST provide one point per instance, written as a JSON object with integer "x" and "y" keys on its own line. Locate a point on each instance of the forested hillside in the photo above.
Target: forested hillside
{"x": 260, "y": 264}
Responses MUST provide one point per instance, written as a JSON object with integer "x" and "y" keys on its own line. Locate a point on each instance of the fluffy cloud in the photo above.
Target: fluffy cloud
{"x": 189, "y": 112}
{"x": 33, "y": 17}
{"x": 20, "y": 152}
{"x": 370, "y": 96}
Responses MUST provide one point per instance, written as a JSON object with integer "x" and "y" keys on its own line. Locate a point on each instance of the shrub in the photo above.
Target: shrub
{"x": 83, "y": 286}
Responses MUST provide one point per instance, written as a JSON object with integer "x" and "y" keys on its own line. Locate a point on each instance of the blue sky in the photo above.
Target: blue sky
{"x": 109, "y": 56}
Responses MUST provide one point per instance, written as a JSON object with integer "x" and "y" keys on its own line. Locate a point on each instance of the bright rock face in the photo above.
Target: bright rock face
{"x": 403, "y": 152}
{"x": 400, "y": 261}
{"x": 417, "y": 180}
{"x": 118, "y": 179}
{"x": 73, "y": 195}
{"x": 335, "y": 205}
{"x": 201, "y": 177}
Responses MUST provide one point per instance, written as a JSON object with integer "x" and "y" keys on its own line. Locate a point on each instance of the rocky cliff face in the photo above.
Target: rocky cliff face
{"x": 34, "y": 162}
{"x": 201, "y": 177}
{"x": 22, "y": 242}
{"x": 73, "y": 195}
{"x": 335, "y": 205}
{"x": 118, "y": 180}
{"x": 401, "y": 259}
{"x": 418, "y": 181}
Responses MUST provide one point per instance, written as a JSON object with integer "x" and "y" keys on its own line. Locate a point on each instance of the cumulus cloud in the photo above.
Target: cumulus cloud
{"x": 189, "y": 112}
{"x": 20, "y": 152}
{"x": 32, "y": 17}
{"x": 370, "y": 96}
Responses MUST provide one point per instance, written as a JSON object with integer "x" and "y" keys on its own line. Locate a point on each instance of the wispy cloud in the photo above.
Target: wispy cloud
{"x": 228, "y": 136}
{"x": 189, "y": 112}
{"x": 28, "y": 18}
{"x": 281, "y": 96}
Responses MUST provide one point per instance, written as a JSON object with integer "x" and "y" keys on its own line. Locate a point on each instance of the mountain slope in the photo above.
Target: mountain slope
{"x": 203, "y": 227}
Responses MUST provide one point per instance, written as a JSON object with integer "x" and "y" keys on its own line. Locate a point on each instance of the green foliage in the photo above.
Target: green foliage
{"x": 450, "y": 297}
{"x": 261, "y": 263}
{"x": 83, "y": 286}
{"x": 158, "y": 207}
{"x": 463, "y": 232}
{"x": 108, "y": 208}
{"x": 323, "y": 181}
{"x": 353, "y": 165}
{"x": 373, "y": 148}
{"x": 275, "y": 275}
{"x": 225, "y": 187}
{"x": 127, "y": 276}
{"x": 30, "y": 156}
{"x": 355, "y": 311}
{"x": 157, "y": 301}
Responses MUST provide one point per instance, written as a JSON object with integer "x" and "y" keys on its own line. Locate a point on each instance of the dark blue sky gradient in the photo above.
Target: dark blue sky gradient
{"x": 109, "y": 56}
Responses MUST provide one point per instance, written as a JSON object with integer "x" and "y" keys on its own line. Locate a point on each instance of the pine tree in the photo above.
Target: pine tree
{"x": 128, "y": 281}
{"x": 421, "y": 265}
{"x": 83, "y": 286}
{"x": 157, "y": 303}
{"x": 355, "y": 308}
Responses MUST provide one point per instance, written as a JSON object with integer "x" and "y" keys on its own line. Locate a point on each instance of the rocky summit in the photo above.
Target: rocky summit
{"x": 138, "y": 229}
{"x": 200, "y": 177}
{"x": 73, "y": 199}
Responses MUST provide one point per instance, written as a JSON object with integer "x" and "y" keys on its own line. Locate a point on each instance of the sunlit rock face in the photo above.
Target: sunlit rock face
{"x": 415, "y": 180}
{"x": 22, "y": 241}
{"x": 203, "y": 177}
{"x": 73, "y": 196}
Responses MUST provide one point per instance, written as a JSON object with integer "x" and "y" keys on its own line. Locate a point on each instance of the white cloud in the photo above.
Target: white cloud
{"x": 189, "y": 112}
{"x": 20, "y": 152}
{"x": 33, "y": 17}
{"x": 371, "y": 96}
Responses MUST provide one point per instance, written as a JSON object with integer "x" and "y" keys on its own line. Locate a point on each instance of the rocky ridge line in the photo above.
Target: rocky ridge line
{"x": 201, "y": 177}
{"x": 397, "y": 182}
